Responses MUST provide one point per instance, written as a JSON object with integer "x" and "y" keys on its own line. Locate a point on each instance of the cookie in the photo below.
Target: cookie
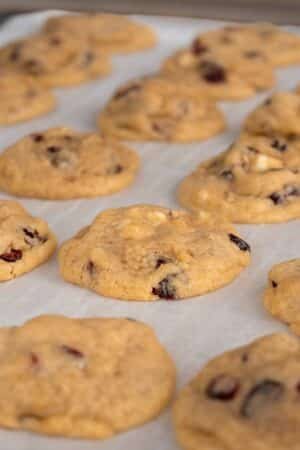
{"x": 22, "y": 99}
{"x": 248, "y": 395}
{"x": 149, "y": 253}
{"x": 280, "y": 46}
{"x": 25, "y": 241}
{"x": 63, "y": 164}
{"x": 55, "y": 59}
{"x": 257, "y": 180}
{"x": 112, "y": 33}
{"x": 222, "y": 75}
{"x": 86, "y": 378}
{"x": 281, "y": 297}
{"x": 278, "y": 114}
{"x": 157, "y": 109}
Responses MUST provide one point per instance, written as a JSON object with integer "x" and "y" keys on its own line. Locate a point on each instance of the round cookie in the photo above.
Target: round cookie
{"x": 115, "y": 34}
{"x": 282, "y": 295}
{"x": 157, "y": 109}
{"x": 55, "y": 59}
{"x": 222, "y": 75}
{"x": 25, "y": 241}
{"x": 257, "y": 180}
{"x": 86, "y": 378}
{"x": 278, "y": 114}
{"x": 248, "y": 395}
{"x": 63, "y": 164}
{"x": 149, "y": 253}
{"x": 22, "y": 98}
{"x": 280, "y": 46}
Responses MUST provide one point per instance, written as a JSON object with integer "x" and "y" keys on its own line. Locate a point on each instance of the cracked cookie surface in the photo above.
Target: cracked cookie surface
{"x": 222, "y": 75}
{"x": 159, "y": 109}
{"x": 55, "y": 59}
{"x": 257, "y": 180}
{"x": 23, "y": 98}
{"x": 87, "y": 378}
{"x": 25, "y": 241}
{"x": 250, "y": 394}
{"x": 146, "y": 252}
{"x": 282, "y": 295}
{"x": 62, "y": 164}
{"x": 113, "y": 33}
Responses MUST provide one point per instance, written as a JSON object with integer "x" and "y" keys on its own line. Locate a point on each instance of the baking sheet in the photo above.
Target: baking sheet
{"x": 192, "y": 330}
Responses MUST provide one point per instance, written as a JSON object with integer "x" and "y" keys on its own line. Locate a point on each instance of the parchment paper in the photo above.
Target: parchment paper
{"x": 192, "y": 330}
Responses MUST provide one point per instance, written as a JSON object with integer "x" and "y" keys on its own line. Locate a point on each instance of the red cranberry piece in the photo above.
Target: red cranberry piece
{"x": 91, "y": 267}
{"x": 161, "y": 261}
{"x": 117, "y": 169}
{"x": 223, "y": 387}
{"x": 274, "y": 284}
{"x": 37, "y": 137}
{"x": 34, "y": 360}
{"x": 198, "y": 47}
{"x": 262, "y": 394}
{"x": 53, "y": 149}
{"x": 32, "y": 237}
{"x": 280, "y": 146}
{"x": 12, "y": 256}
{"x": 212, "y": 72}
{"x": 72, "y": 351}
{"x": 165, "y": 289}
{"x": 242, "y": 245}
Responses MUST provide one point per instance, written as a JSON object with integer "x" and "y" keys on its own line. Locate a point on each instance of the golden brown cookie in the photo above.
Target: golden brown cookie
{"x": 25, "y": 241}
{"x": 255, "y": 181}
{"x": 62, "y": 164}
{"x": 86, "y": 378}
{"x": 116, "y": 34}
{"x": 147, "y": 252}
{"x": 158, "y": 109}
{"x": 245, "y": 397}
{"x": 55, "y": 59}
{"x": 22, "y": 98}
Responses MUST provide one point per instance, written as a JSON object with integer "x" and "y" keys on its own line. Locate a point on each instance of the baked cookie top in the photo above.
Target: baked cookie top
{"x": 147, "y": 252}
{"x": 281, "y": 296}
{"x": 223, "y": 75}
{"x": 61, "y": 163}
{"x": 87, "y": 378}
{"x": 255, "y": 181}
{"x": 250, "y": 394}
{"x": 22, "y": 98}
{"x": 25, "y": 241}
{"x": 106, "y": 31}
{"x": 160, "y": 109}
{"x": 56, "y": 59}
{"x": 278, "y": 114}
{"x": 280, "y": 46}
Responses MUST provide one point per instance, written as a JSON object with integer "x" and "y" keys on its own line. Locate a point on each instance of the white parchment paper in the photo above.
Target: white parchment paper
{"x": 192, "y": 330}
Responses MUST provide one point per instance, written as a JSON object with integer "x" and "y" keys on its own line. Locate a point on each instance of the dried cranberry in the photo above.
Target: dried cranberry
{"x": 223, "y": 387}
{"x": 161, "y": 261}
{"x": 288, "y": 191}
{"x": 53, "y": 149}
{"x": 12, "y": 256}
{"x": 72, "y": 351}
{"x": 262, "y": 394}
{"x": 91, "y": 268}
{"x": 280, "y": 146}
{"x": 117, "y": 169}
{"x": 198, "y": 47}
{"x": 212, "y": 72}
{"x": 242, "y": 245}
{"x": 274, "y": 284}
{"x": 165, "y": 289}
{"x": 34, "y": 359}
{"x": 37, "y": 137}
{"x": 32, "y": 237}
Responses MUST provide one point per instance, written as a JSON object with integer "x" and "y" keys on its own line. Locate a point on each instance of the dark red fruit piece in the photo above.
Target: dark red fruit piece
{"x": 289, "y": 191}
{"x": 12, "y": 256}
{"x": 37, "y": 137}
{"x": 262, "y": 394}
{"x": 32, "y": 237}
{"x": 223, "y": 387}
{"x": 91, "y": 268}
{"x": 165, "y": 289}
{"x": 280, "y": 146}
{"x": 118, "y": 169}
{"x": 242, "y": 245}
{"x": 161, "y": 261}
{"x": 274, "y": 284}
{"x": 198, "y": 47}
{"x": 212, "y": 72}
{"x": 53, "y": 149}
{"x": 34, "y": 359}
{"x": 72, "y": 351}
